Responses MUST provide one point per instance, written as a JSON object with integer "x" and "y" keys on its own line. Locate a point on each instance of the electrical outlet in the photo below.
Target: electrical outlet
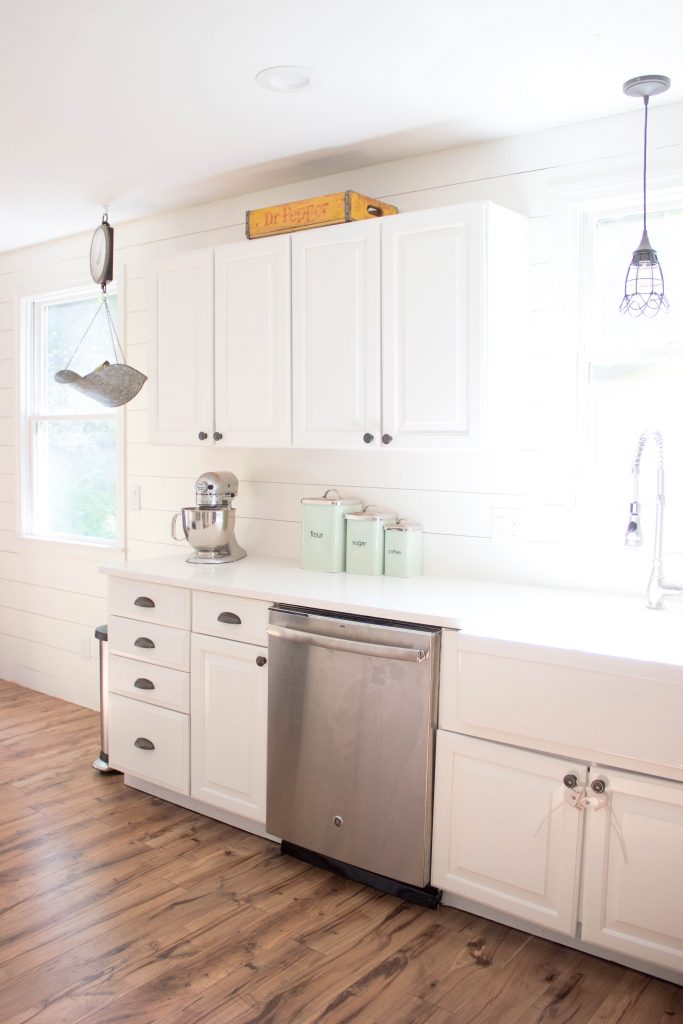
{"x": 507, "y": 523}
{"x": 134, "y": 497}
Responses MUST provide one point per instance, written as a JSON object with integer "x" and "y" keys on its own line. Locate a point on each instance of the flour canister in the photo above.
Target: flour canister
{"x": 323, "y": 526}
{"x": 365, "y": 540}
{"x": 402, "y": 549}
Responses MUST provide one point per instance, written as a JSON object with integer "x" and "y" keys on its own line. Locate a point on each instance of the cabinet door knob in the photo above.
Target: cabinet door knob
{"x": 260, "y": 661}
{"x": 229, "y": 618}
{"x": 598, "y": 785}
{"x": 368, "y": 438}
{"x": 570, "y": 781}
{"x": 143, "y": 684}
{"x": 144, "y": 641}
{"x": 387, "y": 439}
{"x": 142, "y": 743}
{"x": 217, "y": 436}
{"x": 144, "y": 602}
{"x": 202, "y": 435}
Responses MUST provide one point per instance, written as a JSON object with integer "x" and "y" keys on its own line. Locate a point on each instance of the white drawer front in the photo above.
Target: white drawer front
{"x": 153, "y": 684}
{"x": 145, "y": 641}
{"x": 150, "y": 602}
{"x": 151, "y": 743}
{"x": 234, "y": 618}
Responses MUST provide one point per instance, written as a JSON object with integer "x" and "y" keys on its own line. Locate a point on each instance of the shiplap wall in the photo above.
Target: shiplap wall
{"x": 50, "y": 604}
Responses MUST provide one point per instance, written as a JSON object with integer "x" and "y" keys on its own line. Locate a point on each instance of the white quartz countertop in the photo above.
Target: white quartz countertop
{"x": 589, "y": 622}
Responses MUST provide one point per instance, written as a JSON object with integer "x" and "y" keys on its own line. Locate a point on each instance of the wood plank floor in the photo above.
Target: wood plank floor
{"x": 116, "y": 906}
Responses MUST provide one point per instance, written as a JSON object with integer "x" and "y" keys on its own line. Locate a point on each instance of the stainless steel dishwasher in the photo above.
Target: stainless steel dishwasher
{"x": 351, "y": 727}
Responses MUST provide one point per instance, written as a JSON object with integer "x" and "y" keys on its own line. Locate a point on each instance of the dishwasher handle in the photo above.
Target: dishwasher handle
{"x": 335, "y": 643}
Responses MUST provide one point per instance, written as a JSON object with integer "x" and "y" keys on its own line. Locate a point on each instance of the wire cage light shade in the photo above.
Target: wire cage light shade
{"x": 644, "y": 286}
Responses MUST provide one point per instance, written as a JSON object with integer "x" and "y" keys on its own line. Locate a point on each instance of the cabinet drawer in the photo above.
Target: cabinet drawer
{"x": 150, "y": 602}
{"x": 234, "y": 618}
{"x": 145, "y": 641}
{"x": 153, "y": 684}
{"x": 151, "y": 743}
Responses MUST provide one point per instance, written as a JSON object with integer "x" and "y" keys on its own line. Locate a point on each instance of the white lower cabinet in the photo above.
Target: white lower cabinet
{"x": 504, "y": 833}
{"x": 229, "y": 725}
{"x": 151, "y": 743}
{"x": 506, "y": 836}
{"x": 632, "y": 887}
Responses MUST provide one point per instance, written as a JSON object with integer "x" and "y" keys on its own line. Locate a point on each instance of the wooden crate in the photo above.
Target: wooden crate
{"x": 336, "y": 208}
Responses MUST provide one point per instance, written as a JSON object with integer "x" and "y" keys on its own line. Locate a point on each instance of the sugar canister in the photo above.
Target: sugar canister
{"x": 323, "y": 522}
{"x": 402, "y": 548}
{"x": 365, "y": 540}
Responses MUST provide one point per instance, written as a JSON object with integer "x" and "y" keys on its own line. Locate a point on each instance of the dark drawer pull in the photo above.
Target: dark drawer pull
{"x": 142, "y": 743}
{"x": 230, "y": 618}
{"x": 143, "y": 641}
{"x": 260, "y": 661}
{"x": 144, "y": 684}
{"x": 144, "y": 602}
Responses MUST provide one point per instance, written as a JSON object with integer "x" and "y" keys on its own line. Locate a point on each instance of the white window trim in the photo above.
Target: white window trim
{"x": 42, "y": 287}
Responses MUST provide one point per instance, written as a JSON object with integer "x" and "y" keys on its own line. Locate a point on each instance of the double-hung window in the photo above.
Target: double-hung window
{"x": 70, "y": 458}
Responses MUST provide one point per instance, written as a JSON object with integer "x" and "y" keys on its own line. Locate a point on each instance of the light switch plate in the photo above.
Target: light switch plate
{"x": 134, "y": 497}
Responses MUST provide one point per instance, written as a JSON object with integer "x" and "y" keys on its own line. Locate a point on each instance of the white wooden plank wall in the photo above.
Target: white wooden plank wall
{"x": 49, "y": 605}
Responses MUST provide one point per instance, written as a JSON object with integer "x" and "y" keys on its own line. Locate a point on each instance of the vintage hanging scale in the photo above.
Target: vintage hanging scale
{"x": 116, "y": 383}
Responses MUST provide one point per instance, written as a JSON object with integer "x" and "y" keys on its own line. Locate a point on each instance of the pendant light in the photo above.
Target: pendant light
{"x": 644, "y": 288}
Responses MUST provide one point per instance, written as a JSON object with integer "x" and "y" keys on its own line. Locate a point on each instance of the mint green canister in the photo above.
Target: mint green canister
{"x": 323, "y": 531}
{"x": 403, "y": 549}
{"x": 365, "y": 540}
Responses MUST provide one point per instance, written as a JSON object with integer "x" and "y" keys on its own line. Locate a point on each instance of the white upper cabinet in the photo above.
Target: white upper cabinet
{"x": 400, "y": 332}
{"x": 431, "y": 325}
{"x": 336, "y": 336}
{"x": 181, "y": 364}
{"x": 252, "y": 330}
{"x": 221, "y": 354}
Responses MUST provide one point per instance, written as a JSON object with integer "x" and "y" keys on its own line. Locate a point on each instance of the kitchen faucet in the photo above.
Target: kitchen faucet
{"x": 657, "y": 588}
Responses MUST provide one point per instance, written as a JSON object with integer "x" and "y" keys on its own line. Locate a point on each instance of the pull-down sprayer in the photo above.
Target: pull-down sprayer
{"x": 657, "y": 588}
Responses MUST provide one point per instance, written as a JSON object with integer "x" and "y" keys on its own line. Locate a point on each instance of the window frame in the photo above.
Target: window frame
{"x": 30, "y": 302}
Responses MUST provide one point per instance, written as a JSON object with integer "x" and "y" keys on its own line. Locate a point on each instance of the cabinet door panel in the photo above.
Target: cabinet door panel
{"x": 229, "y": 723}
{"x": 504, "y": 834}
{"x": 181, "y": 365}
{"x": 633, "y": 894}
{"x": 336, "y": 336}
{"x": 432, "y": 290}
{"x": 252, "y": 316}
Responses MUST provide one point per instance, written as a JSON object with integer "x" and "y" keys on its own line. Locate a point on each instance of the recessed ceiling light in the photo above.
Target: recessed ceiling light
{"x": 288, "y": 79}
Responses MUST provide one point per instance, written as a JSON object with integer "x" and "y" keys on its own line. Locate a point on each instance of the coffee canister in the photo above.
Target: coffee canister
{"x": 365, "y": 540}
{"x": 323, "y": 531}
{"x": 402, "y": 549}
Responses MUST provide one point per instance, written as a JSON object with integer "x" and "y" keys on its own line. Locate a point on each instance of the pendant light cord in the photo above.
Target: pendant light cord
{"x": 645, "y": 101}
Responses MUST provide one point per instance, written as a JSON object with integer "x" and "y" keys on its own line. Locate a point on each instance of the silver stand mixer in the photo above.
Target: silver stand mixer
{"x": 209, "y": 526}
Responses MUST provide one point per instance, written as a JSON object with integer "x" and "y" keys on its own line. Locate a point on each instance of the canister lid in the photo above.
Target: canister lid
{"x": 372, "y": 512}
{"x": 404, "y": 524}
{"x": 328, "y": 499}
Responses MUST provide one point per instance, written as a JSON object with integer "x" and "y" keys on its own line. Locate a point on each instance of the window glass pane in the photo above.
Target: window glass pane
{"x": 615, "y": 240}
{"x": 64, "y": 326}
{"x": 74, "y": 474}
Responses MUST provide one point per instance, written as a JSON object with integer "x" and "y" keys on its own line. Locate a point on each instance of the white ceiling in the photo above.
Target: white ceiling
{"x": 146, "y": 105}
